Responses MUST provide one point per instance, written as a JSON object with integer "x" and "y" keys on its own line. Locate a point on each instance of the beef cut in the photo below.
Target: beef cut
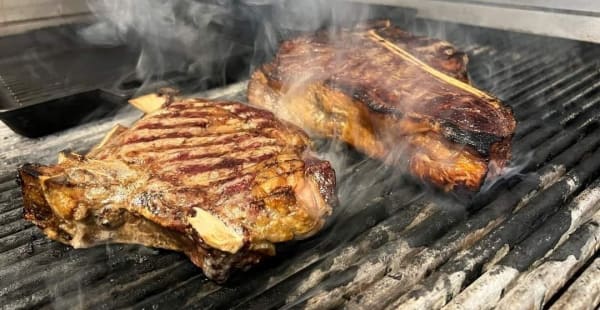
{"x": 394, "y": 96}
{"x": 220, "y": 181}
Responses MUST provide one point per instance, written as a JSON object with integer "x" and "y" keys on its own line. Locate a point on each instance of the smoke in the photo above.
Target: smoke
{"x": 513, "y": 169}
{"x": 360, "y": 180}
{"x": 286, "y": 19}
{"x": 200, "y": 38}
{"x": 207, "y": 39}
{"x": 174, "y": 37}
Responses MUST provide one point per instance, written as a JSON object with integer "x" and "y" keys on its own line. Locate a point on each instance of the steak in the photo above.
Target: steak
{"x": 222, "y": 182}
{"x": 397, "y": 97}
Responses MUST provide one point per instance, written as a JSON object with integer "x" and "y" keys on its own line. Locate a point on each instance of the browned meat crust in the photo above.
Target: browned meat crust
{"x": 394, "y": 96}
{"x": 220, "y": 181}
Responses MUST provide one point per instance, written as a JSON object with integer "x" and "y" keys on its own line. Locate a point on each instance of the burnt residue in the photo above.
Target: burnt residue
{"x": 480, "y": 141}
{"x": 364, "y": 95}
{"x": 474, "y": 228}
{"x": 576, "y": 242}
{"x": 537, "y": 245}
{"x": 517, "y": 227}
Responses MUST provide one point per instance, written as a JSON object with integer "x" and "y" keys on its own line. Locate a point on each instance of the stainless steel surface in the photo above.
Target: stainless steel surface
{"x": 584, "y": 7}
{"x": 577, "y": 20}
{"x": 18, "y": 16}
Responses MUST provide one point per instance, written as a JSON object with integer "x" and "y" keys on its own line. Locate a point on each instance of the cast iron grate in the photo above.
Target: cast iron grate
{"x": 533, "y": 231}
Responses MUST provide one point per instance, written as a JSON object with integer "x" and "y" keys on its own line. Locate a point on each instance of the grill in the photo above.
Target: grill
{"x": 60, "y": 73}
{"x": 529, "y": 240}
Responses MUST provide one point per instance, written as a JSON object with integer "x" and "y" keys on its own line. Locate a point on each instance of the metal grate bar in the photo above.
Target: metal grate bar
{"x": 444, "y": 246}
{"x": 585, "y": 292}
{"x": 524, "y": 66}
{"x": 556, "y": 269}
{"x": 464, "y": 265}
{"x": 489, "y": 287}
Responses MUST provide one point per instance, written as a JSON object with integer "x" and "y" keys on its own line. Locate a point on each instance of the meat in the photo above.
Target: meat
{"x": 400, "y": 98}
{"x": 222, "y": 182}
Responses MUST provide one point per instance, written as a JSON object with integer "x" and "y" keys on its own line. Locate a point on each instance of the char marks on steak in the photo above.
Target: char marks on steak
{"x": 220, "y": 181}
{"x": 394, "y": 96}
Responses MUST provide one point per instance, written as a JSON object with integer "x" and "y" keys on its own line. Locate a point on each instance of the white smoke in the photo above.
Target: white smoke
{"x": 174, "y": 37}
{"x": 188, "y": 37}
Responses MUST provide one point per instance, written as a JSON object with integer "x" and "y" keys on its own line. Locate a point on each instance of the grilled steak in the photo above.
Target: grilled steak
{"x": 394, "y": 96}
{"x": 220, "y": 181}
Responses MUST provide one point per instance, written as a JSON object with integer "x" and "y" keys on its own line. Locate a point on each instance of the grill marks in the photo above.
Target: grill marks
{"x": 363, "y": 85}
{"x": 201, "y": 122}
{"x": 163, "y": 126}
{"x": 175, "y": 143}
{"x": 219, "y": 181}
{"x": 199, "y": 152}
{"x": 228, "y": 184}
{"x": 209, "y": 169}
{"x": 213, "y": 175}
{"x": 200, "y": 144}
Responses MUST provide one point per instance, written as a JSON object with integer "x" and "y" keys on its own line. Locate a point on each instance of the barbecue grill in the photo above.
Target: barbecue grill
{"x": 529, "y": 240}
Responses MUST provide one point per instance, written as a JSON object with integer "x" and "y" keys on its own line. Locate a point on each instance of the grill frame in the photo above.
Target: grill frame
{"x": 403, "y": 238}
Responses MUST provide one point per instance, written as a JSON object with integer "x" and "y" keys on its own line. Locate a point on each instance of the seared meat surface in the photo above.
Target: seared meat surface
{"x": 220, "y": 181}
{"x": 394, "y": 96}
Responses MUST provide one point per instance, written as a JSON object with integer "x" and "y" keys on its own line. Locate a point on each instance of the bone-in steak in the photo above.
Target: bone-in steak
{"x": 220, "y": 181}
{"x": 394, "y": 96}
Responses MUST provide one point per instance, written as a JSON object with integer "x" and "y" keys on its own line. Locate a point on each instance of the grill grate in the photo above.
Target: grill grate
{"x": 401, "y": 248}
{"x": 37, "y": 79}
